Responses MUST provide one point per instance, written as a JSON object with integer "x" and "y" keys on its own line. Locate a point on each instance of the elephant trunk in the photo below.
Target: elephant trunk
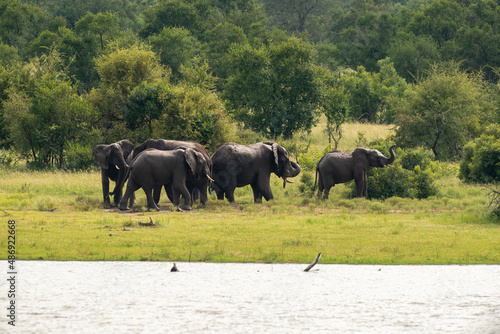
{"x": 292, "y": 172}
{"x": 122, "y": 167}
{"x": 392, "y": 157}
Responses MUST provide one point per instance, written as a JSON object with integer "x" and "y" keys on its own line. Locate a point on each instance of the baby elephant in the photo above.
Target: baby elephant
{"x": 154, "y": 168}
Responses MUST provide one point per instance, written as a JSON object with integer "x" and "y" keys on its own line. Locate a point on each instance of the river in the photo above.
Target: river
{"x": 145, "y": 297}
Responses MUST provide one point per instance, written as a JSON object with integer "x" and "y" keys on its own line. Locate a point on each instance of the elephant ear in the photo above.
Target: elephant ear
{"x": 127, "y": 147}
{"x": 100, "y": 156}
{"x": 275, "y": 151}
{"x": 190, "y": 156}
{"x": 360, "y": 158}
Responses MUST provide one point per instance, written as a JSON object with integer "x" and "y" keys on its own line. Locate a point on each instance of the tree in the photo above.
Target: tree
{"x": 218, "y": 41}
{"x": 120, "y": 72}
{"x": 335, "y": 105}
{"x": 363, "y": 32}
{"x": 413, "y": 55}
{"x": 144, "y": 105}
{"x": 299, "y": 17}
{"x": 192, "y": 113}
{"x": 451, "y": 15}
{"x": 273, "y": 90}
{"x": 44, "y": 111}
{"x": 442, "y": 112}
{"x": 173, "y": 13}
{"x": 98, "y": 25}
{"x": 20, "y": 23}
{"x": 175, "y": 47}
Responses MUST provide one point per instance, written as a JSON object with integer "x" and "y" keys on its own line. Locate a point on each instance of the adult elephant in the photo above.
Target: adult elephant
{"x": 193, "y": 183}
{"x": 113, "y": 162}
{"x": 236, "y": 165}
{"x": 154, "y": 168}
{"x": 340, "y": 167}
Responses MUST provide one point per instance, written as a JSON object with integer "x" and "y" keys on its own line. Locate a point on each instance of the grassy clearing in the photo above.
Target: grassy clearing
{"x": 59, "y": 216}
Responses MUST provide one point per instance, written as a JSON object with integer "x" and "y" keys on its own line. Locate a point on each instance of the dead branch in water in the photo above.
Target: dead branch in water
{"x": 314, "y": 263}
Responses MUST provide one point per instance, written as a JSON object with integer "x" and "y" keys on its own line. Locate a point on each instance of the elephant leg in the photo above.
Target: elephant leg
{"x": 365, "y": 186}
{"x": 170, "y": 194}
{"x": 257, "y": 195}
{"x": 117, "y": 197}
{"x": 265, "y": 187}
{"x": 150, "y": 199}
{"x": 195, "y": 193}
{"x": 176, "y": 196}
{"x": 327, "y": 182}
{"x": 157, "y": 193}
{"x": 132, "y": 200}
{"x": 105, "y": 188}
{"x": 229, "y": 192}
{"x": 327, "y": 192}
{"x": 320, "y": 185}
{"x": 359, "y": 187}
{"x": 218, "y": 191}
{"x": 132, "y": 187}
{"x": 180, "y": 187}
{"x": 203, "y": 194}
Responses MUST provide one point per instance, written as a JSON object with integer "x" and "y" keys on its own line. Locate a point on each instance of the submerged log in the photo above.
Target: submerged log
{"x": 314, "y": 263}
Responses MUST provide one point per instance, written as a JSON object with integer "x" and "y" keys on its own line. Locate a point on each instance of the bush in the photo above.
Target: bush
{"x": 410, "y": 176}
{"x": 481, "y": 161}
{"x": 308, "y": 160}
{"x": 306, "y": 182}
{"x": 78, "y": 157}
{"x": 8, "y": 158}
{"x": 416, "y": 157}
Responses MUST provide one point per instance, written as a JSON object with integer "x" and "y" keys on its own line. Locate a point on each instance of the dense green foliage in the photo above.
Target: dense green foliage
{"x": 273, "y": 89}
{"x": 443, "y": 112}
{"x": 132, "y": 68}
{"x": 481, "y": 162}
{"x": 409, "y": 176}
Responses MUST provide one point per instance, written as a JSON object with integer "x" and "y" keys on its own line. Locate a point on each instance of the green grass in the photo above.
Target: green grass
{"x": 59, "y": 216}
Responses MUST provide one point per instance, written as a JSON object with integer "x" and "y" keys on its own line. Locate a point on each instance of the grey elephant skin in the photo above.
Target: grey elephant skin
{"x": 154, "y": 168}
{"x": 236, "y": 165}
{"x": 112, "y": 159}
{"x": 199, "y": 183}
{"x": 339, "y": 167}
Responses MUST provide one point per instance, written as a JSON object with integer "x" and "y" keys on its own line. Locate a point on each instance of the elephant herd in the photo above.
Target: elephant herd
{"x": 185, "y": 168}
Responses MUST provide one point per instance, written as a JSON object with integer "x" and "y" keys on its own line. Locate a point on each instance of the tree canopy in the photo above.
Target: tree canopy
{"x": 270, "y": 66}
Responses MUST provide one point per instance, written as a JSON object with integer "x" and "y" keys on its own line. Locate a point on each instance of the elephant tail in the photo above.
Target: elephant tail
{"x": 315, "y": 180}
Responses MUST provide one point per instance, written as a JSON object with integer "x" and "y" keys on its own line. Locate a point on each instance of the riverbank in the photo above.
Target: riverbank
{"x": 59, "y": 216}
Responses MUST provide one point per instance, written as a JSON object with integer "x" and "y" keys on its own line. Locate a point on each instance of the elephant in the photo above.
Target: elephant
{"x": 193, "y": 183}
{"x": 236, "y": 165}
{"x": 113, "y": 162}
{"x": 340, "y": 167}
{"x": 154, "y": 168}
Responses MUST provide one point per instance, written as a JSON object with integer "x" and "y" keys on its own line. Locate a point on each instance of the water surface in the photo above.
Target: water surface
{"x": 145, "y": 297}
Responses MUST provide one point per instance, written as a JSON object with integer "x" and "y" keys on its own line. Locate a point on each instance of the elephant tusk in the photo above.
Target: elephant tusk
{"x": 208, "y": 176}
{"x": 117, "y": 167}
{"x": 288, "y": 181}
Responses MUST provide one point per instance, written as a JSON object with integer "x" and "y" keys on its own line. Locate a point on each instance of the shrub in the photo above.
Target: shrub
{"x": 308, "y": 160}
{"x": 410, "y": 176}
{"x": 418, "y": 157}
{"x": 78, "y": 156}
{"x": 306, "y": 182}
{"x": 481, "y": 161}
